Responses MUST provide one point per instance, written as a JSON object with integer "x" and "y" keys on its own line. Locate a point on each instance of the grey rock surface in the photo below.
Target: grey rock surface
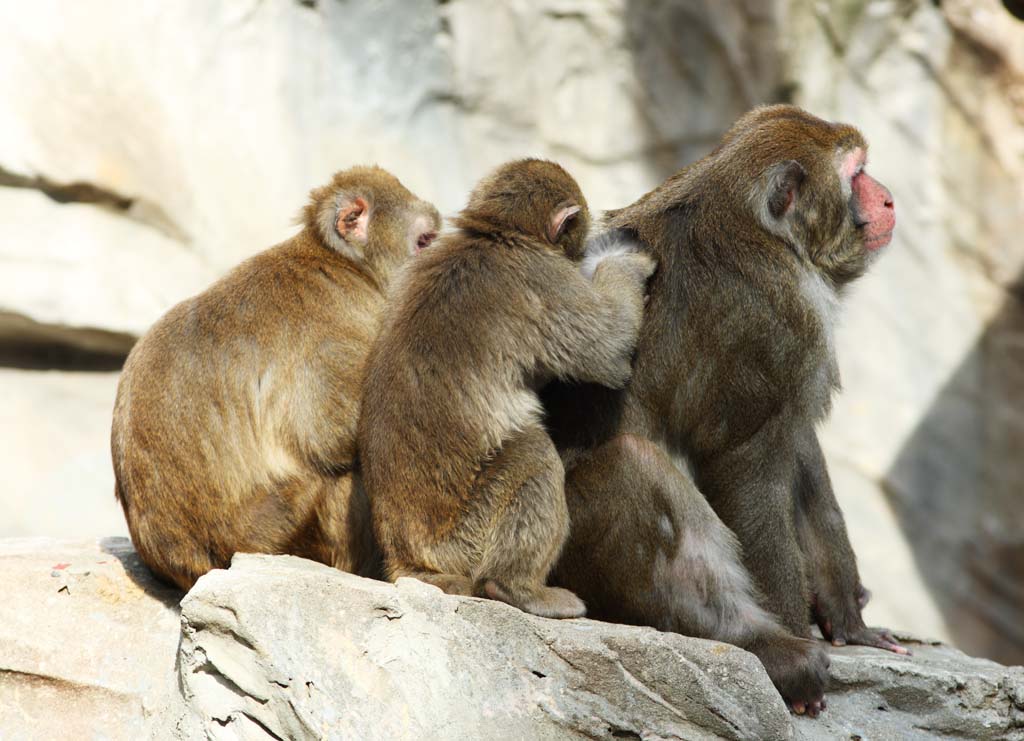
{"x": 939, "y": 692}
{"x": 276, "y": 647}
{"x": 300, "y": 650}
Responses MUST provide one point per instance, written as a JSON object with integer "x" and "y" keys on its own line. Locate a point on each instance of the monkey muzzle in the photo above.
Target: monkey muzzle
{"x": 874, "y": 211}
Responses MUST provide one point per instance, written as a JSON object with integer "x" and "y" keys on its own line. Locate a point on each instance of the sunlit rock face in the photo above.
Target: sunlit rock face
{"x": 147, "y": 147}
{"x": 277, "y": 647}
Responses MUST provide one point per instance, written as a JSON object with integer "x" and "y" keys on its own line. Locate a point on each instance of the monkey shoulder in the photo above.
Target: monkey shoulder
{"x": 476, "y": 277}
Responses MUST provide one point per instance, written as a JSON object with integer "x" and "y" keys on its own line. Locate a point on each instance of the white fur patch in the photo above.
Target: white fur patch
{"x": 682, "y": 464}
{"x": 847, "y": 163}
{"x": 600, "y": 248}
{"x": 825, "y": 302}
{"x": 665, "y": 528}
{"x": 512, "y": 412}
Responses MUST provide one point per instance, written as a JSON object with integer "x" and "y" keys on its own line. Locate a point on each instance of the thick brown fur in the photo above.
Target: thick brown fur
{"x": 235, "y": 420}
{"x": 734, "y": 367}
{"x": 465, "y": 485}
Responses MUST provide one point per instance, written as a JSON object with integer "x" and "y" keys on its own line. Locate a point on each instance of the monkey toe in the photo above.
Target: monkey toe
{"x": 549, "y": 602}
{"x": 812, "y": 708}
{"x": 798, "y": 668}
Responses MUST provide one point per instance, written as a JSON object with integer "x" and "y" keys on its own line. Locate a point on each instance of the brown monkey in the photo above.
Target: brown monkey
{"x": 734, "y": 366}
{"x": 235, "y": 420}
{"x": 465, "y": 485}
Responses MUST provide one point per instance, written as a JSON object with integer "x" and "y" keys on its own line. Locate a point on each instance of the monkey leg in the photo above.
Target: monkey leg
{"x": 337, "y": 529}
{"x": 837, "y": 593}
{"x": 181, "y": 543}
{"x": 524, "y": 523}
{"x": 646, "y": 548}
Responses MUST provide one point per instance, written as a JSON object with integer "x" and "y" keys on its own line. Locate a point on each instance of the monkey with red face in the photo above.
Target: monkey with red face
{"x": 708, "y": 461}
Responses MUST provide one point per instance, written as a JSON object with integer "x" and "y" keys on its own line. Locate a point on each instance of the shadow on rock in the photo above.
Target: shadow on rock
{"x": 122, "y": 549}
{"x": 957, "y": 489}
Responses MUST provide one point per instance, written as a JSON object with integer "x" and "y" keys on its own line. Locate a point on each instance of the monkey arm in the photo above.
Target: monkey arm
{"x": 750, "y": 487}
{"x": 837, "y": 592}
{"x": 590, "y": 328}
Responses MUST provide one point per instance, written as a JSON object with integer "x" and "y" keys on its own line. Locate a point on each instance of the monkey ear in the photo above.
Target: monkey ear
{"x": 353, "y": 219}
{"x": 784, "y": 181}
{"x": 560, "y": 219}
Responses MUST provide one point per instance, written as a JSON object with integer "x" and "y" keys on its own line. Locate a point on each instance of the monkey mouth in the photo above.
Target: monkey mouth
{"x": 424, "y": 240}
{"x": 874, "y": 242}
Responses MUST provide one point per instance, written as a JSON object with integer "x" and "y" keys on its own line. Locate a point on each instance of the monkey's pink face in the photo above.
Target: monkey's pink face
{"x": 871, "y": 203}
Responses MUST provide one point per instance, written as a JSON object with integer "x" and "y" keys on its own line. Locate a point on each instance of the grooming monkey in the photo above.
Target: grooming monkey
{"x": 235, "y": 421}
{"x": 465, "y": 485}
{"x": 708, "y": 463}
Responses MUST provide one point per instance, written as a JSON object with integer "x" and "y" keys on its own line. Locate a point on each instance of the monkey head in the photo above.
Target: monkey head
{"x": 530, "y": 197}
{"x": 810, "y": 187}
{"x": 366, "y": 214}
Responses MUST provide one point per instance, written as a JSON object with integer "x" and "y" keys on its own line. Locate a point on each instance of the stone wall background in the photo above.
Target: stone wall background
{"x": 146, "y": 147}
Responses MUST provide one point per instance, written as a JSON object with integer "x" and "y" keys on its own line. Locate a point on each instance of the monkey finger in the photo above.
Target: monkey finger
{"x": 799, "y": 707}
{"x": 879, "y": 638}
{"x": 885, "y": 634}
{"x": 814, "y": 708}
{"x": 898, "y": 649}
{"x": 895, "y": 648}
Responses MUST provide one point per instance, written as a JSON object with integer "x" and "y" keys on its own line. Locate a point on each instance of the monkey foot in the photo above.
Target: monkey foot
{"x": 798, "y": 668}
{"x": 550, "y": 602}
{"x": 812, "y": 709}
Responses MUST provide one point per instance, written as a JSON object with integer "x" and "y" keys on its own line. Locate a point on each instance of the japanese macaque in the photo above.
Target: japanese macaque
{"x": 465, "y": 485}
{"x": 235, "y": 421}
{"x": 707, "y": 466}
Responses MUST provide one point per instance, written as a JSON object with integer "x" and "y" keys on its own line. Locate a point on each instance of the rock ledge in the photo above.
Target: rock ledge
{"x": 278, "y": 647}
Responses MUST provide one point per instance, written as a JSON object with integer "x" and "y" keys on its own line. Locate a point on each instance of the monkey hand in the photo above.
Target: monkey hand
{"x": 625, "y": 276}
{"x": 620, "y": 279}
{"x": 636, "y": 267}
{"x": 841, "y": 623}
